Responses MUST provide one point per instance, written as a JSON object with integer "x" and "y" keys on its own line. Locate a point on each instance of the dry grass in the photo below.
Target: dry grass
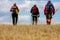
{"x": 29, "y": 32}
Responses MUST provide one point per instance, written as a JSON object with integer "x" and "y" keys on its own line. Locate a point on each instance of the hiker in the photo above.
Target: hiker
{"x": 35, "y": 14}
{"x": 49, "y": 11}
{"x": 14, "y": 9}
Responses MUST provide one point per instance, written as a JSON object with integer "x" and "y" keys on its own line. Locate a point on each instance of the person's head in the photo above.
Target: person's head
{"x": 49, "y": 1}
{"x": 14, "y": 4}
{"x": 35, "y": 5}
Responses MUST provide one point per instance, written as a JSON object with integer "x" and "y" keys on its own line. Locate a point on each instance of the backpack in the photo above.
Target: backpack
{"x": 14, "y": 9}
{"x": 49, "y": 7}
{"x": 34, "y": 9}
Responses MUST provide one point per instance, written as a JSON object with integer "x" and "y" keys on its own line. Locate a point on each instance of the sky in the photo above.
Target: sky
{"x": 25, "y": 6}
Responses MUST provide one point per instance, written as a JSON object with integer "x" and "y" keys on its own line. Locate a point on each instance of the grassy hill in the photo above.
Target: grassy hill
{"x": 29, "y": 32}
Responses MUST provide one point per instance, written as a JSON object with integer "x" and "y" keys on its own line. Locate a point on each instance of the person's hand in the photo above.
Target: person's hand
{"x": 53, "y": 13}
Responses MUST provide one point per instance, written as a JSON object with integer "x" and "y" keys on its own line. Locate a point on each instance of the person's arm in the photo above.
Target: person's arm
{"x": 31, "y": 10}
{"x": 11, "y": 9}
{"x": 38, "y": 11}
{"x": 45, "y": 11}
{"x": 53, "y": 10}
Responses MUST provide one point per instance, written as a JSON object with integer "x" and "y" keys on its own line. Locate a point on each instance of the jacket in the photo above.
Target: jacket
{"x": 11, "y": 9}
{"x": 51, "y": 11}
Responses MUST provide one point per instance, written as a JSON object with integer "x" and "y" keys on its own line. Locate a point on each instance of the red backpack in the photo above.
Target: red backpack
{"x": 34, "y": 9}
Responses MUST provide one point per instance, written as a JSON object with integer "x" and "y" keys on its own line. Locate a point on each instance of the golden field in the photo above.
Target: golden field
{"x": 29, "y": 32}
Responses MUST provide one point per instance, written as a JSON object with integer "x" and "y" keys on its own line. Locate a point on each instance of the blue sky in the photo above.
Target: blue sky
{"x": 24, "y": 7}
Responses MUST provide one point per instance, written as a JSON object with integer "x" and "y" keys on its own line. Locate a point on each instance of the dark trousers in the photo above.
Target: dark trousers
{"x": 14, "y": 18}
{"x": 34, "y": 19}
{"x": 48, "y": 18}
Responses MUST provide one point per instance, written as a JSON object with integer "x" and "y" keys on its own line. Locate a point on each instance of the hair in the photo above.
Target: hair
{"x": 14, "y": 4}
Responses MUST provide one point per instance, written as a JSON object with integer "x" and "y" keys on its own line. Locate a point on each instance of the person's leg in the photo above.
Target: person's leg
{"x": 16, "y": 18}
{"x": 36, "y": 20}
{"x": 50, "y": 17}
{"x": 47, "y": 19}
{"x": 13, "y": 19}
{"x": 32, "y": 19}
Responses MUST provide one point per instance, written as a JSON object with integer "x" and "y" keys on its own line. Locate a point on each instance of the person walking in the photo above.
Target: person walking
{"x": 49, "y": 11}
{"x": 35, "y": 14}
{"x": 14, "y": 9}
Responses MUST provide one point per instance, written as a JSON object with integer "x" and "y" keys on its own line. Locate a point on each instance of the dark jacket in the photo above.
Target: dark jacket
{"x": 34, "y": 10}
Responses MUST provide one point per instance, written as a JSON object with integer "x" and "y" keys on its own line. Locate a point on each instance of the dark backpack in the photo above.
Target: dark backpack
{"x": 14, "y": 9}
{"x": 49, "y": 7}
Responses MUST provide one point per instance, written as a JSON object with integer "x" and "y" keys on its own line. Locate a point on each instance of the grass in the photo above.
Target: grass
{"x": 29, "y": 32}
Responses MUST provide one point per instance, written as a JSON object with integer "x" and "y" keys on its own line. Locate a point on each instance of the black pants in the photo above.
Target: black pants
{"x": 34, "y": 19}
{"x": 14, "y": 18}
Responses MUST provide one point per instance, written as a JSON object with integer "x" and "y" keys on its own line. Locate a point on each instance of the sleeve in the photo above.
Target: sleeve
{"x": 45, "y": 11}
{"x": 11, "y": 9}
{"x": 38, "y": 11}
{"x": 31, "y": 9}
{"x": 53, "y": 10}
